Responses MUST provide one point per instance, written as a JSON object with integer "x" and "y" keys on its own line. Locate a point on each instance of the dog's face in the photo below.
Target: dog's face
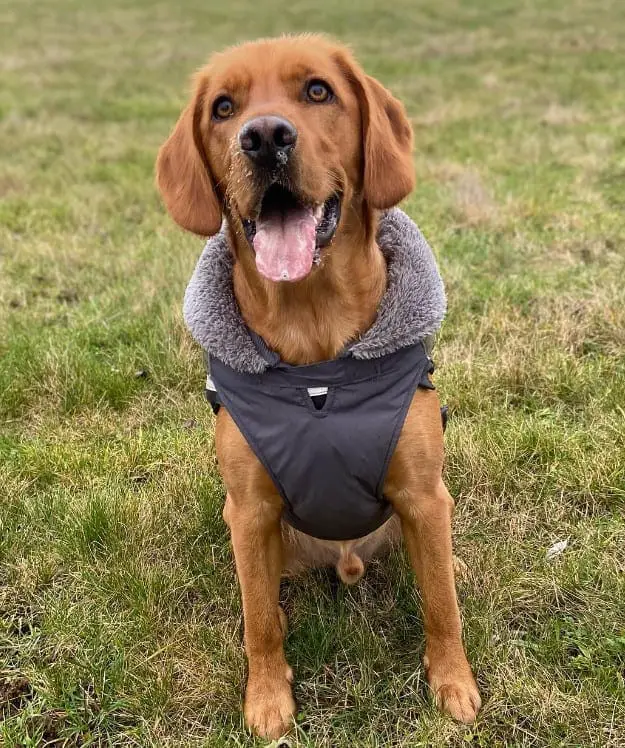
{"x": 285, "y": 137}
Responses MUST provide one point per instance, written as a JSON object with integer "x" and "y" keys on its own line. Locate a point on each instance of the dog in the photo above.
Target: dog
{"x": 299, "y": 153}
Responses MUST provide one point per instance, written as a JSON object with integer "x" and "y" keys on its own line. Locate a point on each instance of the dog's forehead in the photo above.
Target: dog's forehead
{"x": 273, "y": 61}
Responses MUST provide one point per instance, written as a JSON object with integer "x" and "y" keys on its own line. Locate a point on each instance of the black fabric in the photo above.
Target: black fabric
{"x": 318, "y": 400}
{"x": 213, "y": 399}
{"x": 329, "y": 464}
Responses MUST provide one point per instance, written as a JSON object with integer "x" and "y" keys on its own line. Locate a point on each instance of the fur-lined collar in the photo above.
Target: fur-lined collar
{"x": 412, "y": 308}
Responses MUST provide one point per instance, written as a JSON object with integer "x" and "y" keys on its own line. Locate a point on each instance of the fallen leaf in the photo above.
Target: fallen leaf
{"x": 556, "y": 549}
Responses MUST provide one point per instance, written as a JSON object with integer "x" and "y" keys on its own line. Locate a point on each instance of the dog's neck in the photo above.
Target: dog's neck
{"x": 312, "y": 320}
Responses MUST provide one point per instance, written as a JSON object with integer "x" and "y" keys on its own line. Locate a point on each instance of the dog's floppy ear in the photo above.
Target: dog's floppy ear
{"x": 387, "y": 139}
{"x": 183, "y": 175}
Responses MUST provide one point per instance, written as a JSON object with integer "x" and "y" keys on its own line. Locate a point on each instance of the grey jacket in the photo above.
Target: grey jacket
{"x": 327, "y": 457}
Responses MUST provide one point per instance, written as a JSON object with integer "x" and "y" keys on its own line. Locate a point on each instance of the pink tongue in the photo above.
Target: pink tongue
{"x": 285, "y": 244}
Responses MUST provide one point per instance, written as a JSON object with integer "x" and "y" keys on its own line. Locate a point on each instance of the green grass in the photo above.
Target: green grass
{"x": 119, "y": 612}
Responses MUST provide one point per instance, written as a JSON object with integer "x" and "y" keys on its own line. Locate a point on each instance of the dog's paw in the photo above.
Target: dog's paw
{"x": 269, "y": 706}
{"x": 461, "y": 700}
{"x": 454, "y": 687}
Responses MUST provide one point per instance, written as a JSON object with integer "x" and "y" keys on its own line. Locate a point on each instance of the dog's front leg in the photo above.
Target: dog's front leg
{"x": 252, "y": 512}
{"x": 257, "y": 543}
{"x": 415, "y": 487}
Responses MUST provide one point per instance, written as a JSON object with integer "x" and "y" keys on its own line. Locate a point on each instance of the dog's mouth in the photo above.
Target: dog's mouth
{"x": 289, "y": 233}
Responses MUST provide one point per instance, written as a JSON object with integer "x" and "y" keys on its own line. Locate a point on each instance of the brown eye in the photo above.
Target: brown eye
{"x": 223, "y": 108}
{"x": 318, "y": 92}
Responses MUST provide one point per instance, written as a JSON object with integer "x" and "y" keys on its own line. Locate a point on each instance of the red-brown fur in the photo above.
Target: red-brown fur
{"x": 361, "y": 146}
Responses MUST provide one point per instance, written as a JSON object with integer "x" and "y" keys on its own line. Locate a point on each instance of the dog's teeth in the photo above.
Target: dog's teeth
{"x": 318, "y": 212}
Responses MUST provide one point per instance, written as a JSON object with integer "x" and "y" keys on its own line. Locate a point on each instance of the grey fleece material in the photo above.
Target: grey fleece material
{"x": 411, "y": 310}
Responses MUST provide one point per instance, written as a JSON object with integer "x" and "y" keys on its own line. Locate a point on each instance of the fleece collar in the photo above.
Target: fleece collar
{"x": 412, "y": 308}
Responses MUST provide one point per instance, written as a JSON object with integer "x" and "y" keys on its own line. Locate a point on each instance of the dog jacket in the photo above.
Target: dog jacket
{"x": 328, "y": 463}
{"x": 324, "y": 432}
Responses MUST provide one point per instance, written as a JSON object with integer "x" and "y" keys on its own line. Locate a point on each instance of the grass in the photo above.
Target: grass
{"x": 119, "y": 612}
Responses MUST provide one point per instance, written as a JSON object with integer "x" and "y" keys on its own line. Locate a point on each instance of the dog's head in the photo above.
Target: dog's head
{"x": 285, "y": 137}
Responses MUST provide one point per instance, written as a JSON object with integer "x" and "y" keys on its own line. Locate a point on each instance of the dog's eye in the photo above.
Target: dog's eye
{"x": 318, "y": 92}
{"x": 223, "y": 108}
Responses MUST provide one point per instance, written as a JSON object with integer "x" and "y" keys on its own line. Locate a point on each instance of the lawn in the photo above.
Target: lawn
{"x": 120, "y": 620}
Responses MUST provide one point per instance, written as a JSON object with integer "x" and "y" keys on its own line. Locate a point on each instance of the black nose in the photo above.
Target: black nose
{"x": 268, "y": 140}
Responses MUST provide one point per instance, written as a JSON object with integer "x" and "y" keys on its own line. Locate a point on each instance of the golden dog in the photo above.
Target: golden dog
{"x": 349, "y": 145}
